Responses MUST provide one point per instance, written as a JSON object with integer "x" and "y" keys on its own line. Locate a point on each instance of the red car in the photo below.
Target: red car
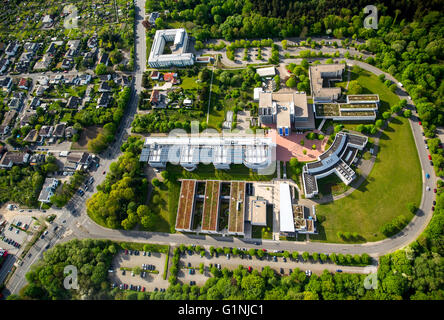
{"x": 264, "y": 250}
{"x": 420, "y": 123}
{"x": 433, "y": 208}
{"x": 104, "y": 172}
{"x": 249, "y": 269}
{"x": 430, "y": 157}
{"x": 434, "y": 190}
{"x": 126, "y": 251}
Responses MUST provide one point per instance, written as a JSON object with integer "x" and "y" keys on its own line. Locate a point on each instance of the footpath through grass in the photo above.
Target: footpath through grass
{"x": 394, "y": 181}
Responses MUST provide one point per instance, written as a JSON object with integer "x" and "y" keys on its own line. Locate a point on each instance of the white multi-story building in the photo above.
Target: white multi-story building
{"x": 179, "y": 57}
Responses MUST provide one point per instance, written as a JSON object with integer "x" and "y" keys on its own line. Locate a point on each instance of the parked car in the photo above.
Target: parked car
{"x": 427, "y": 176}
{"x": 434, "y": 190}
{"x": 282, "y": 271}
{"x": 339, "y": 270}
{"x": 430, "y": 157}
{"x": 434, "y": 202}
{"x": 433, "y": 208}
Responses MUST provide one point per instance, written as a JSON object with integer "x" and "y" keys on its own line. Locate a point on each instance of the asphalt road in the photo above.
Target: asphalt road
{"x": 78, "y": 224}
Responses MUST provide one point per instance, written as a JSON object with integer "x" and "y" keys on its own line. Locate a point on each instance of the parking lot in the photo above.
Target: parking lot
{"x": 150, "y": 281}
{"x": 13, "y": 238}
{"x": 233, "y": 262}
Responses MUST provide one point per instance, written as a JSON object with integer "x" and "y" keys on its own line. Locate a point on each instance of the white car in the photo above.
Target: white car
{"x": 428, "y": 188}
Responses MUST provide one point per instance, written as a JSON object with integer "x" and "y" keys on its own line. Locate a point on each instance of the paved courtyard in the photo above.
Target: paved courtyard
{"x": 290, "y": 147}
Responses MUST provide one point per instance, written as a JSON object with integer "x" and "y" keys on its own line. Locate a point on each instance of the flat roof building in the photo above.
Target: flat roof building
{"x": 188, "y": 151}
{"x": 287, "y": 109}
{"x": 321, "y": 76}
{"x": 266, "y": 72}
{"x": 48, "y": 190}
{"x": 337, "y": 159}
{"x": 286, "y": 221}
{"x": 179, "y": 56}
{"x": 258, "y": 212}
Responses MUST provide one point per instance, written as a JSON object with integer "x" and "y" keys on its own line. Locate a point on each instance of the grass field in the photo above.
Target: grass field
{"x": 86, "y": 135}
{"x": 371, "y": 84}
{"x": 208, "y": 172}
{"x": 394, "y": 181}
{"x": 166, "y": 207}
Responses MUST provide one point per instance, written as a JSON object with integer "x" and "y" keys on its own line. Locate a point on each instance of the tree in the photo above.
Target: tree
{"x": 101, "y": 69}
{"x": 386, "y": 115}
{"x": 295, "y": 255}
{"x": 354, "y": 87}
{"x": 252, "y": 252}
{"x": 155, "y": 182}
{"x": 408, "y": 113}
{"x": 379, "y": 123}
{"x": 315, "y": 256}
{"x": 305, "y": 256}
{"x": 291, "y": 82}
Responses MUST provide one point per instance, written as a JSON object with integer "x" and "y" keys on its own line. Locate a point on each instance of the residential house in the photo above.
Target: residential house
{"x": 73, "y": 102}
{"x": 171, "y": 77}
{"x": 155, "y": 75}
{"x": 27, "y": 116}
{"x": 12, "y": 48}
{"x": 15, "y": 103}
{"x": 35, "y": 102}
{"x": 59, "y": 130}
{"x": 84, "y": 79}
{"x": 51, "y": 49}
{"x": 13, "y": 158}
{"x": 6, "y": 125}
{"x": 104, "y": 87}
{"x": 104, "y": 100}
{"x": 40, "y": 90}
{"x": 70, "y": 131}
{"x": 105, "y": 77}
{"x": 32, "y": 46}
{"x": 36, "y": 159}
{"x": 48, "y": 189}
{"x": 23, "y": 84}
{"x": 32, "y": 136}
{"x": 4, "y": 63}
{"x": 44, "y": 63}
{"x": 152, "y": 18}
{"x": 46, "y": 131}
{"x": 104, "y": 58}
{"x": 67, "y": 63}
{"x": 92, "y": 42}
{"x": 159, "y": 99}
{"x": 78, "y": 160}
{"x": 6, "y": 84}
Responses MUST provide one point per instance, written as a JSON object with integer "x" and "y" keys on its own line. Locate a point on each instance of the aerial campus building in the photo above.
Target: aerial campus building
{"x": 188, "y": 151}
{"x": 326, "y": 96}
{"x": 177, "y": 41}
{"x": 287, "y": 109}
{"x": 337, "y": 159}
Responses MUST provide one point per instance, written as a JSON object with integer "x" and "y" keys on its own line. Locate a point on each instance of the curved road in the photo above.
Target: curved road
{"x": 76, "y": 224}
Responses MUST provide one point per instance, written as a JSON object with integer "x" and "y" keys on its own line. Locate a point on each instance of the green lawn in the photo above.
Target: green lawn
{"x": 208, "y": 172}
{"x": 189, "y": 83}
{"x": 394, "y": 181}
{"x": 166, "y": 222}
{"x": 371, "y": 84}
